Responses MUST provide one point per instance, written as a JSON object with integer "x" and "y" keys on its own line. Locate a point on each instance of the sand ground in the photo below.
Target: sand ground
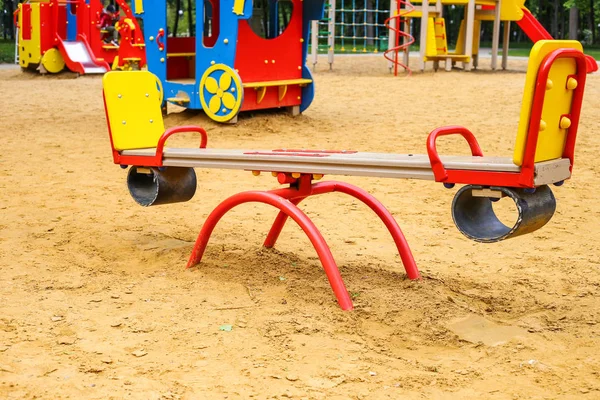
{"x": 95, "y": 301}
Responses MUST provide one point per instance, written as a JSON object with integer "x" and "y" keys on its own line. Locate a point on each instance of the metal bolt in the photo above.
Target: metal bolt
{"x": 124, "y": 122}
{"x": 151, "y": 121}
{"x": 147, "y": 95}
{"x": 119, "y": 95}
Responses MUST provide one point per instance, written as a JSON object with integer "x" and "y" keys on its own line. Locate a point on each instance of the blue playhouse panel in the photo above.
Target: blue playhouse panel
{"x": 308, "y": 91}
{"x": 224, "y": 50}
{"x": 71, "y": 24}
{"x": 154, "y": 20}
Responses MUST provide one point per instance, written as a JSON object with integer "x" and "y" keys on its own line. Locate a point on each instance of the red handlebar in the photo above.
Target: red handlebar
{"x": 161, "y": 34}
{"x": 179, "y": 129}
{"x": 439, "y": 171}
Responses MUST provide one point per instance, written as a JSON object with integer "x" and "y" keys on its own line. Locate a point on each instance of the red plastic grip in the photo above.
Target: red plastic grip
{"x": 161, "y": 34}
{"x": 179, "y": 129}
{"x": 439, "y": 171}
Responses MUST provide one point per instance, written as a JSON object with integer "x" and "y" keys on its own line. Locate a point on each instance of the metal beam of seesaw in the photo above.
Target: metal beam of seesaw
{"x": 381, "y": 165}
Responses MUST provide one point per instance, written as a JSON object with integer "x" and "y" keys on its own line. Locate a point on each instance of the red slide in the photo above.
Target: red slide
{"x": 535, "y": 31}
{"x": 532, "y": 27}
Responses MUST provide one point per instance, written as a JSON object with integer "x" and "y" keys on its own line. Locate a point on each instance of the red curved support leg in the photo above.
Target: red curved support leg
{"x": 390, "y": 223}
{"x": 278, "y": 225}
{"x": 332, "y": 186}
{"x": 317, "y": 240}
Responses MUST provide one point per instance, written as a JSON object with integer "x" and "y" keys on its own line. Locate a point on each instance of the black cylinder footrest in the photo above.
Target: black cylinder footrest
{"x": 153, "y": 186}
{"x": 475, "y": 218}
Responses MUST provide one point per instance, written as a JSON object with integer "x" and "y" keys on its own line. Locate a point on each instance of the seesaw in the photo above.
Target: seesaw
{"x": 543, "y": 156}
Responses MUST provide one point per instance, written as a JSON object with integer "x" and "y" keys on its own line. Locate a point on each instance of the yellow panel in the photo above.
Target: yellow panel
{"x": 556, "y": 103}
{"x": 460, "y": 42}
{"x": 238, "y": 7}
{"x": 411, "y": 14}
{"x": 476, "y": 36}
{"x": 441, "y": 43}
{"x": 431, "y": 48}
{"x": 30, "y": 50}
{"x": 512, "y": 10}
{"x": 133, "y": 103}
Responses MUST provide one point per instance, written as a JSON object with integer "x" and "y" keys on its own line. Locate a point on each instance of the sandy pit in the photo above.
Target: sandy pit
{"x": 95, "y": 301}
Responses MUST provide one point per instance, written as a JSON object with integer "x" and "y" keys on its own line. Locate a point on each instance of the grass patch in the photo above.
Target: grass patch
{"x": 7, "y": 51}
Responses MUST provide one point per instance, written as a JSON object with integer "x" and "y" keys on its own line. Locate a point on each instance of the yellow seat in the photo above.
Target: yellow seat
{"x": 133, "y": 107}
{"x": 557, "y": 102}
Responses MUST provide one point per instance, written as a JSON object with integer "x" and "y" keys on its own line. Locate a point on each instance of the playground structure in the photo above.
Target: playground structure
{"x": 433, "y": 38}
{"x": 432, "y": 34}
{"x": 53, "y": 34}
{"x": 353, "y": 29}
{"x": 239, "y": 58}
{"x": 543, "y": 155}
